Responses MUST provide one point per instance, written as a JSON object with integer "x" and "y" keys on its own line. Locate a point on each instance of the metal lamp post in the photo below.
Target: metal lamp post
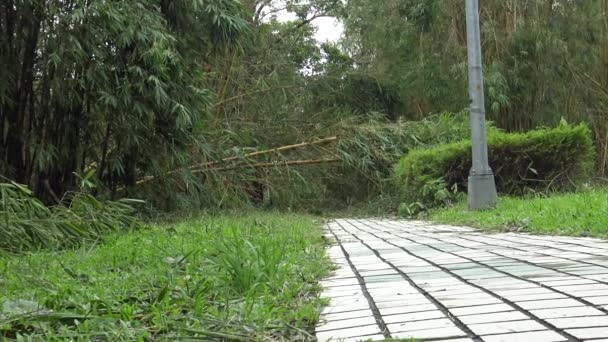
{"x": 481, "y": 186}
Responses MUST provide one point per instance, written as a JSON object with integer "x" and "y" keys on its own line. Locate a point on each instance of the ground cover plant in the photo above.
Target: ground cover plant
{"x": 584, "y": 213}
{"x": 238, "y": 277}
{"x": 26, "y": 223}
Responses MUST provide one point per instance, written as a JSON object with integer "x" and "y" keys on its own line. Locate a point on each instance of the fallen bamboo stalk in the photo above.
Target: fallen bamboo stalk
{"x": 248, "y": 155}
{"x": 271, "y": 164}
{"x": 269, "y": 151}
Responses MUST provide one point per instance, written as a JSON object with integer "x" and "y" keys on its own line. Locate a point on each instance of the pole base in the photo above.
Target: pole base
{"x": 482, "y": 192}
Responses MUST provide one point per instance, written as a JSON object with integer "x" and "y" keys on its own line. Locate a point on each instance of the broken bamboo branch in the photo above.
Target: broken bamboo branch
{"x": 248, "y": 155}
{"x": 271, "y": 164}
{"x": 272, "y": 150}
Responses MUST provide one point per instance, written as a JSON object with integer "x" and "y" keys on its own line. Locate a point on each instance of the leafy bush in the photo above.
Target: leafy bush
{"x": 25, "y": 222}
{"x": 545, "y": 159}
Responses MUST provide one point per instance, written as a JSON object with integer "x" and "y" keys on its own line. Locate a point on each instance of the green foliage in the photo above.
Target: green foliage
{"x": 26, "y": 223}
{"x": 584, "y": 213}
{"x": 542, "y": 60}
{"x": 546, "y": 159}
{"x": 238, "y": 277}
{"x": 111, "y": 86}
{"x": 367, "y": 149}
{"x": 356, "y": 93}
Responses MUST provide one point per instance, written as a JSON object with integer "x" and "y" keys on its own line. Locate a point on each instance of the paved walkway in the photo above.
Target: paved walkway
{"x": 405, "y": 279}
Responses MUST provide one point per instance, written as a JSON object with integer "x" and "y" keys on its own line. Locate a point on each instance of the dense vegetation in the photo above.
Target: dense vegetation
{"x": 27, "y": 223}
{"x": 165, "y": 100}
{"x": 203, "y": 106}
{"x": 543, "y": 59}
{"x": 172, "y": 282}
{"x": 544, "y": 160}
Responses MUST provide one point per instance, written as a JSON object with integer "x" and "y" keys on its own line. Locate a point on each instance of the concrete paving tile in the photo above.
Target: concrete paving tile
{"x": 584, "y": 333}
{"x": 475, "y": 310}
{"x": 602, "y": 300}
{"x": 380, "y": 297}
{"x": 383, "y": 278}
{"x": 348, "y": 300}
{"x": 429, "y": 276}
{"x": 579, "y": 322}
{"x": 587, "y": 287}
{"x": 349, "y": 332}
{"x": 447, "y": 283}
{"x": 590, "y": 293}
{"x": 458, "y": 303}
{"x": 506, "y": 327}
{"x": 411, "y": 317}
{"x": 560, "y": 282}
{"x": 421, "y": 325}
{"x": 340, "y": 283}
{"x": 601, "y": 277}
{"x": 470, "y": 294}
{"x": 519, "y": 285}
{"x": 537, "y": 296}
{"x": 493, "y": 317}
{"x": 332, "y": 308}
{"x": 402, "y": 303}
{"x": 438, "y": 333}
{"x": 332, "y": 293}
{"x": 346, "y": 323}
{"x": 377, "y": 337}
{"x": 385, "y": 271}
{"x": 346, "y": 315}
{"x": 549, "y": 304}
{"x": 408, "y": 309}
{"x": 520, "y": 292}
{"x": 566, "y": 312}
{"x": 536, "y": 336}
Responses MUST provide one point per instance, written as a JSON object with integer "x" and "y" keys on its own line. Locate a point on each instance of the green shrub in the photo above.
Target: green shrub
{"x": 26, "y": 223}
{"x": 546, "y": 159}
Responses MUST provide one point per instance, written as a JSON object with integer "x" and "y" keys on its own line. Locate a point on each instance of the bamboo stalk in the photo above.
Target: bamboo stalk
{"x": 272, "y": 150}
{"x": 271, "y": 164}
{"x": 249, "y": 155}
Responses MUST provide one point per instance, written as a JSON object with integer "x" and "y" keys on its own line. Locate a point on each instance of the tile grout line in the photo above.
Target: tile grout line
{"x": 432, "y": 299}
{"x": 534, "y": 238}
{"x": 579, "y": 299}
{"x": 372, "y": 305}
{"x": 582, "y": 277}
{"x": 563, "y": 333}
{"x": 545, "y": 254}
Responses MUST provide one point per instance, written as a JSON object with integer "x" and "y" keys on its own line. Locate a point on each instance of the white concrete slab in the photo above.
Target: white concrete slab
{"x": 448, "y": 283}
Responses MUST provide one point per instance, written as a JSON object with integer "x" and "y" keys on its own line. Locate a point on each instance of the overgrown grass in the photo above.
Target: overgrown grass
{"x": 26, "y": 223}
{"x": 236, "y": 278}
{"x": 577, "y": 214}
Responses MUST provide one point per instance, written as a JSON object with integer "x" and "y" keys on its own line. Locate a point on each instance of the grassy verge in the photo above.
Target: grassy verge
{"x": 576, "y": 214}
{"x": 246, "y": 278}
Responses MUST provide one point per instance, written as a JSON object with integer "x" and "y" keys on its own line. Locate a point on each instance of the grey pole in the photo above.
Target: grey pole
{"x": 481, "y": 187}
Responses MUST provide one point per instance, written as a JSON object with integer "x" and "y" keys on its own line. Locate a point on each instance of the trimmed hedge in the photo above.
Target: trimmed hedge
{"x": 558, "y": 159}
